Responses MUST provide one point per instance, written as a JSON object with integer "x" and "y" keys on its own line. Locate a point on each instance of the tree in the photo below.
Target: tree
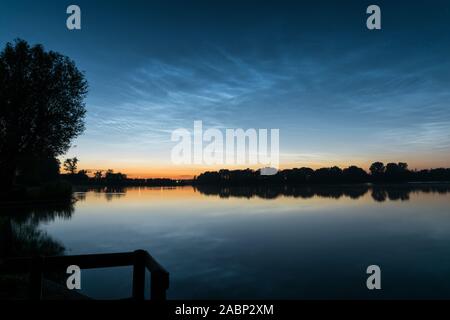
{"x": 391, "y": 168}
{"x": 41, "y": 105}
{"x": 333, "y": 174}
{"x": 403, "y": 166}
{"x": 377, "y": 168}
{"x": 396, "y": 171}
{"x": 82, "y": 176}
{"x": 354, "y": 174}
{"x": 70, "y": 165}
{"x": 114, "y": 178}
{"x": 98, "y": 175}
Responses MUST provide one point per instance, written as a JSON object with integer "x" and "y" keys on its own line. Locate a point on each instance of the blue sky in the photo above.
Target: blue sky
{"x": 339, "y": 93}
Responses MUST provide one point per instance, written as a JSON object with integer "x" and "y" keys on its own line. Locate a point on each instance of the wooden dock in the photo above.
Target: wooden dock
{"x": 141, "y": 261}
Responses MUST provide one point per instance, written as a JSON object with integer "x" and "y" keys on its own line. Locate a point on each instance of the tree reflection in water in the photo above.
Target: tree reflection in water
{"x": 110, "y": 193}
{"x": 20, "y": 236}
{"x": 379, "y": 193}
{"x": 20, "y": 233}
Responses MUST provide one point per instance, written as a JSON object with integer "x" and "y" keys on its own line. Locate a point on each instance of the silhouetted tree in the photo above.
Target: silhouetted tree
{"x": 98, "y": 175}
{"x": 324, "y": 175}
{"x": 41, "y": 105}
{"x": 303, "y": 174}
{"x": 396, "y": 172}
{"x": 403, "y": 166}
{"x": 82, "y": 176}
{"x": 354, "y": 174}
{"x": 377, "y": 168}
{"x": 70, "y": 165}
{"x": 114, "y": 178}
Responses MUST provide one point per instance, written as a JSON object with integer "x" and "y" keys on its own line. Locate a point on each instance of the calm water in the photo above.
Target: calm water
{"x": 243, "y": 243}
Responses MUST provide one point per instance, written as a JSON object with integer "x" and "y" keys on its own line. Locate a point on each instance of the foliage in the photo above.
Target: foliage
{"x": 70, "y": 165}
{"x": 41, "y": 105}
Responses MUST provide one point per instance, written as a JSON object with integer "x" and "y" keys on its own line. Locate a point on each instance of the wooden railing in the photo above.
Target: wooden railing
{"x": 139, "y": 259}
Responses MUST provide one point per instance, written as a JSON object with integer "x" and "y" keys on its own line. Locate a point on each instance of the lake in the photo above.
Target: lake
{"x": 262, "y": 243}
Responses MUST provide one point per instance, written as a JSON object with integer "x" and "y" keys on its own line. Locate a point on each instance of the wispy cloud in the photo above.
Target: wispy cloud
{"x": 317, "y": 103}
{"x": 159, "y": 97}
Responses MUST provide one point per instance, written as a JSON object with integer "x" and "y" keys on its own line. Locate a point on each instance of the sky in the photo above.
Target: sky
{"x": 340, "y": 94}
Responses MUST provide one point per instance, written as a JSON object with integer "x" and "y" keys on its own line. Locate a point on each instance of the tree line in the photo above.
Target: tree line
{"x": 109, "y": 177}
{"x": 378, "y": 173}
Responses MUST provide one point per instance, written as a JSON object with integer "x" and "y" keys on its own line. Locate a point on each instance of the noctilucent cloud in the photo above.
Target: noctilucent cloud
{"x": 339, "y": 93}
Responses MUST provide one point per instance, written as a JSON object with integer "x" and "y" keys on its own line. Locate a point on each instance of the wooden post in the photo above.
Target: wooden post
{"x": 139, "y": 275}
{"x": 37, "y": 268}
{"x": 159, "y": 285}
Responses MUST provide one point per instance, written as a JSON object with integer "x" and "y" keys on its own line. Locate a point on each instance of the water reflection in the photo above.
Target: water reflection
{"x": 20, "y": 234}
{"x": 379, "y": 193}
{"x": 110, "y": 193}
{"x": 222, "y": 242}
